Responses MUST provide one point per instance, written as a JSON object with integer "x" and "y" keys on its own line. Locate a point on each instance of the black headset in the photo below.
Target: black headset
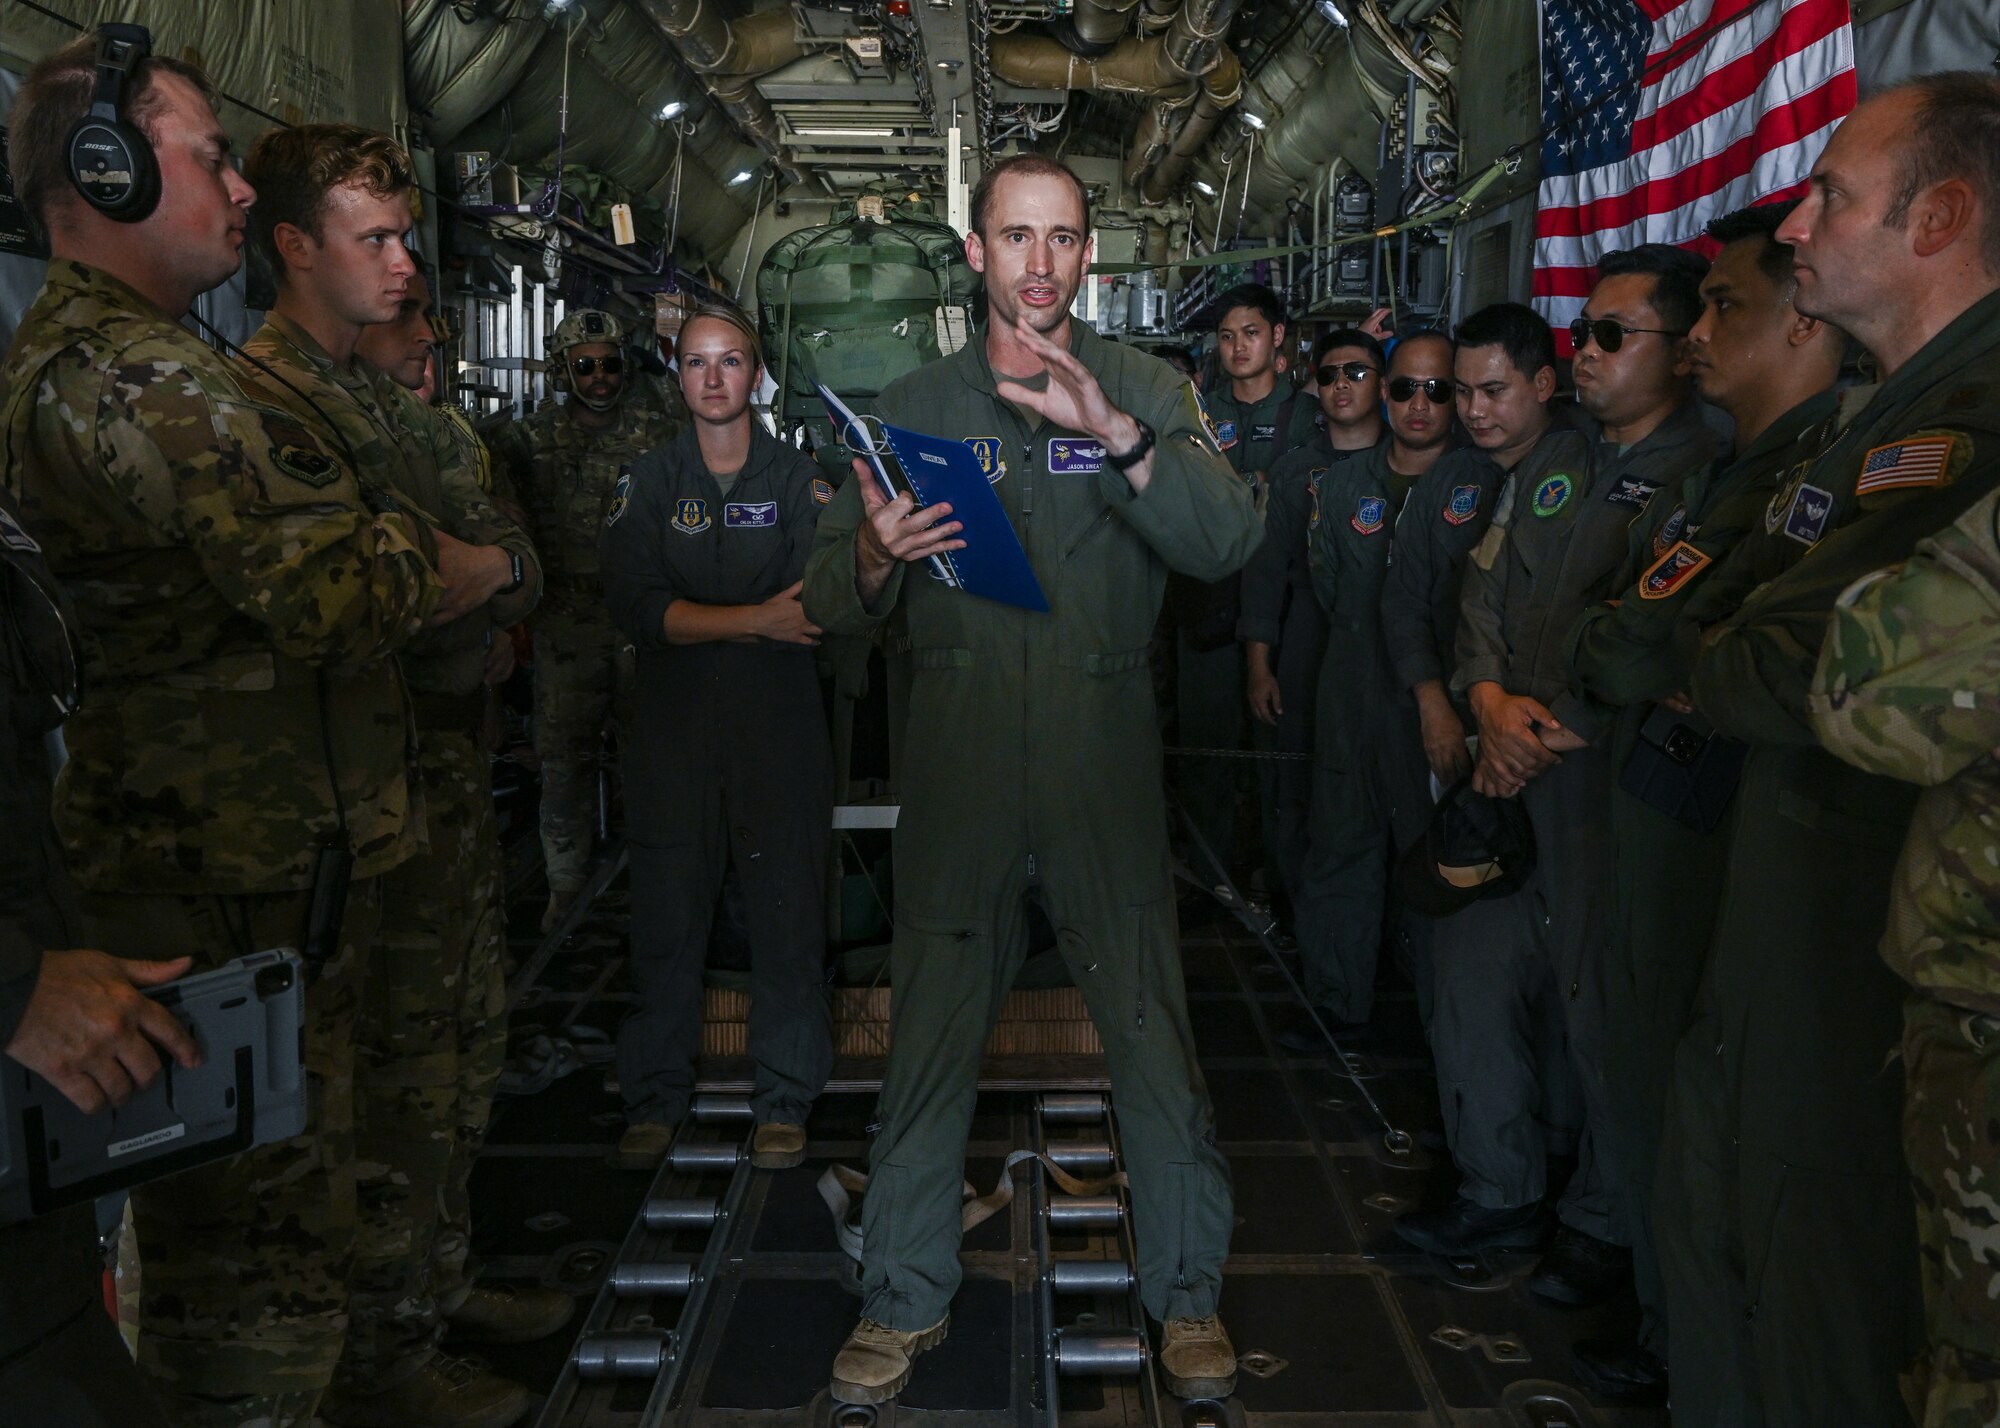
{"x": 110, "y": 161}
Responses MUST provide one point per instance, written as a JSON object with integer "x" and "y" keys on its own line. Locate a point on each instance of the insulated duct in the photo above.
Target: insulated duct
{"x": 730, "y": 56}
{"x": 1335, "y": 114}
{"x": 456, "y": 70}
{"x": 1161, "y": 154}
{"x": 1094, "y": 27}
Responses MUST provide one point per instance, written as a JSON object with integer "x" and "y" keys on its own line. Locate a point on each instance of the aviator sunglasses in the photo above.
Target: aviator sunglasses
{"x": 1610, "y": 335}
{"x": 1353, "y": 371}
{"x": 586, "y": 365}
{"x": 1438, "y": 389}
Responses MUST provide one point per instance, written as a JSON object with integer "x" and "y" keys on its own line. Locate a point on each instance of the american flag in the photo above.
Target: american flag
{"x": 1663, "y": 114}
{"x": 1920, "y": 461}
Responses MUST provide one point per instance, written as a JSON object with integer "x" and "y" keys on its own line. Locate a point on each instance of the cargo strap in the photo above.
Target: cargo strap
{"x": 842, "y": 1187}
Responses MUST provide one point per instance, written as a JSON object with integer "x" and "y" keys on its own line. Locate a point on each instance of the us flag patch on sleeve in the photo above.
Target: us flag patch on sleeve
{"x": 1914, "y": 461}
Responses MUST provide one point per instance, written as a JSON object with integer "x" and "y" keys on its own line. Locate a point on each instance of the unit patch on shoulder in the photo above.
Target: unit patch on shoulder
{"x": 1074, "y": 456}
{"x": 1207, "y": 421}
{"x": 1463, "y": 505}
{"x": 752, "y": 514}
{"x": 1807, "y": 519}
{"x": 1671, "y": 529}
{"x": 1781, "y": 500}
{"x": 13, "y": 537}
{"x": 822, "y": 491}
{"x": 691, "y": 515}
{"x": 1634, "y": 491}
{"x": 1916, "y": 461}
{"x": 1225, "y": 435}
{"x": 621, "y": 497}
{"x": 1368, "y": 515}
{"x": 1552, "y": 494}
{"x": 1671, "y": 571}
{"x": 312, "y": 467}
{"x": 987, "y": 449}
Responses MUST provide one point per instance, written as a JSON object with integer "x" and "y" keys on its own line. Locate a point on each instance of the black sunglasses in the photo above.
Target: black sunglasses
{"x": 1610, "y": 335}
{"x": 1353, "y": 371}
{"x": 1438, "y": 389}
{"x": 586, "y": 365}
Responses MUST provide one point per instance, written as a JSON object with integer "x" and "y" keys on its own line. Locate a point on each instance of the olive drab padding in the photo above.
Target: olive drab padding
{"x": 854, "y": 303}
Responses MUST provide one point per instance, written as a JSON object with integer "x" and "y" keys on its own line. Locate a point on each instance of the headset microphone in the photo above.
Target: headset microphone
{"x": 111, "y": 162}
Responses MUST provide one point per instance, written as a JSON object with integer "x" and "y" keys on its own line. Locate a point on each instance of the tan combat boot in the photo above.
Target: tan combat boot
{"x": 875, "y": 1362}
{"x": 778, "y": 1146}
{"x": 509, "y": 1314}
{"x": 643, "y": 1146}
{"x": 444, "y": 1393}
{"x": 1198, "y": 1358}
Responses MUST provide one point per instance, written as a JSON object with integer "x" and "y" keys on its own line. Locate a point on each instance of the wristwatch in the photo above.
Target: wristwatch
{"x": 1126, "y": 460}
{"x": 520, "y": 575}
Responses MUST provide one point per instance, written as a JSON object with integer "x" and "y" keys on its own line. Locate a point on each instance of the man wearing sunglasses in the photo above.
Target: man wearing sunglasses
{"x": 1283, "y": 628}
{"x": 565, "y": 459}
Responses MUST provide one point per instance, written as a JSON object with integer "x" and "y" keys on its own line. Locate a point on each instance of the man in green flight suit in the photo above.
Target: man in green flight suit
{"x": 238, "y": 598}
{"x": 1033, "y": 773}
{"x": 1783, "y": 1115}
{"x": 334, "y": 206}
{"x": 1905, "y": 687}
{"x": 564, "y": 461}
{"x": 1772, "y": 369}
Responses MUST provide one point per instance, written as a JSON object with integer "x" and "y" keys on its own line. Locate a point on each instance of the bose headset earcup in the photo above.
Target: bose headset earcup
{"x": 111, "y": 163}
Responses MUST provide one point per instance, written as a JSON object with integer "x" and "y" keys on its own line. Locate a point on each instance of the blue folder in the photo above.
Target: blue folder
{"x": 992, "y": 565}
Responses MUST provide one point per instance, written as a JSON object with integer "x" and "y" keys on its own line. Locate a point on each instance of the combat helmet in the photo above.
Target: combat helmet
{"x": 577, "y": 329}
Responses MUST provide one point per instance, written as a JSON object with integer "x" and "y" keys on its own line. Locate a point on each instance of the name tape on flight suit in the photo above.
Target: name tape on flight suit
{"x": 1068, "y": 456}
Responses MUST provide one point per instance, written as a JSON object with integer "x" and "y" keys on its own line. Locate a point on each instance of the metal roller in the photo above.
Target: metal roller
{"x": 1099, "y": 1355}
{"x": 1084, "y": 1212}
{"x": 1090, "y": 1276}
{"x": 710, "y": 1109}
{"x": 645, "y": 1280}
{"x": 1082, "y": 1156}
{"x": 680, "y": 1214}
{"x": 627, "y": 1354}
{"x": 1072, "y": 1106}
{"x": 705, "y": 1155}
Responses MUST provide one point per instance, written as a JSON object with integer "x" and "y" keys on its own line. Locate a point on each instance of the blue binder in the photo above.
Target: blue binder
{"x": 992, "y": 565}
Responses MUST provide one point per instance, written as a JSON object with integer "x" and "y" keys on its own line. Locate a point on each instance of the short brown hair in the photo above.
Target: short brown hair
{"x": 57, "y": 93}
{"x": 1027, "y": 166}
{"x": 294, "y": 169}
{"x": 735, "y": 317}
{"x": 1954, "y": 135}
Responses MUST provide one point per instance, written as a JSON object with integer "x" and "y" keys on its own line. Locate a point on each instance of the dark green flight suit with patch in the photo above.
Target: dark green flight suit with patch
{"x": 1557, "y": 544}
{"x": 1210, "y": 676}
{"x": 730, "y": 768}
{"x": 1788, "y": 1240}
{"x": 1365, "y": 746}
{"x": 1279, "y": 610}
{"x": 1668, "y": 875}
{"x": 1033, "y": 771}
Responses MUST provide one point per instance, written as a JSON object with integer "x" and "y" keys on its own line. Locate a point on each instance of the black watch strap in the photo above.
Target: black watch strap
{"x": 1126, "y": 460}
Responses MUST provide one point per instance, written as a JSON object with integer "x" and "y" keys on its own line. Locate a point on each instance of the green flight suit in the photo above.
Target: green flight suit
{"x": 1033, "y": 771}
{"x": 1201, "y": 616}
{"x": 1668, "y": 875}
{"x": 1905, "y": 688}
{"x": 1557, "y": 545}
{"x": 432, "y": 1036}
{"x": 1790, "y": 1247}
{"x": 1366, "y": 752}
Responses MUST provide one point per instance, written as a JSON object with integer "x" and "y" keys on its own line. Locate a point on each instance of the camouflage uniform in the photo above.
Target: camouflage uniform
{"x": 564, "y": 471}
{"x": 432, "y": 1032}
{"x": 237, "y": 601}
{"x": 1906, "y": 687}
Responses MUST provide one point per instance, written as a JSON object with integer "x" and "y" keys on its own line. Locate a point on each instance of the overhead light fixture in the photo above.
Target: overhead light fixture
{"x": 1254, "y": 121}
{"x": 1333, "y": 14}
{"x": 672, "y": 109}
{"x": 742, "y": 176}
{"x": 1204, "y": 188}
{"x": 845, "y": 133}
{"x": 554, "y": 8}
{"x": 949, "y": 66}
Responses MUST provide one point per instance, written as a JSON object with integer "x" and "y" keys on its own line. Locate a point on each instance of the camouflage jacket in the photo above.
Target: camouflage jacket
{"x": 1908, "y": 685}
{"x": 565, "y": 472}
{"x": 232, "y": 588}
{"x": 400, "y": 444}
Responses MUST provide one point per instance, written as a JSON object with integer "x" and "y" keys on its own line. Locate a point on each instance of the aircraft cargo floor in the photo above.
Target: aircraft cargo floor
{"x": 716, "y": 1295}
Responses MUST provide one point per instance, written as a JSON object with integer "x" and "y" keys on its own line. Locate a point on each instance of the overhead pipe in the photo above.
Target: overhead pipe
{"x": 730, "y": 57}
{"x": 1094, "y": 27}
{"x": 1156, "y": 15}
{"x": 1335, "y": 114}
{"x": 1160, "y": 153}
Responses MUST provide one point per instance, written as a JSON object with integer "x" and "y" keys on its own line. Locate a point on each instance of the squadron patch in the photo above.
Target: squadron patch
{"x": 312, "y": 467}
{"x": 987, "y": 449}
{"x": 1671, "y": 529}
{"x": 1915, "y": 461}
{"x": 1631, "y": 491}
{"x": 1781, "y": 501}
{"x": 691, "y": 515}
{"x": 1207, "y": 421}
{"x": 1368, "y": 515}
{"x": 752, "y": 514}
{"x": 822, "y": 491}
{"x": 1463, "y": 505}
{"x": 621, "y": 497}
{"x": 1552, "y": 494}
{"x": 13, "y": 537}
{"x": 1671, "y": 571}
{"x": 1071, "y": 456}
{"x": 1225, "y": 435}
{"x": 1313, "y": 478}
{"x": 1807, "y": 519}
